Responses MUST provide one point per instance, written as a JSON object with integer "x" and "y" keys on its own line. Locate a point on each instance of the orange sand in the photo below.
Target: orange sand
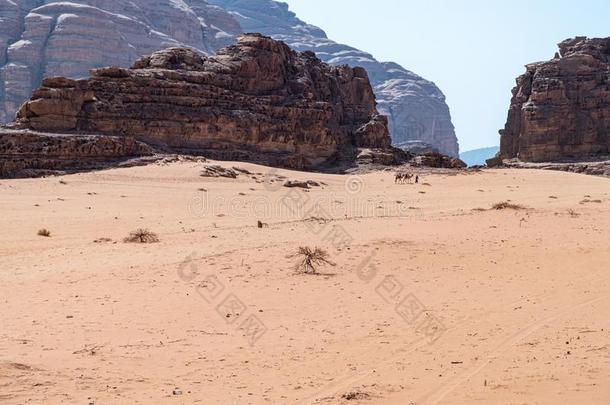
{"x": 521, "y": 298}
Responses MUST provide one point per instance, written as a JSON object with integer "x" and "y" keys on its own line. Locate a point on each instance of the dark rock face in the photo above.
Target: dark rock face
{"x": 438, "y": 160}
{"x": 561, "y": 108}
{"x": 42, "y": 38}
{"x": 257, "y": 100}
{"x": 416, "y": 108}
{"x": 31, "y": 154}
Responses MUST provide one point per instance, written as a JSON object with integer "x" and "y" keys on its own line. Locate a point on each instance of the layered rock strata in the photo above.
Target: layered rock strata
{"x": 560, "y": 109}
{"x": 257, "y": 100}
{"x": 32, "y": 154}
{"x": 42, "y": 38}
{"x": 416, "y": 107}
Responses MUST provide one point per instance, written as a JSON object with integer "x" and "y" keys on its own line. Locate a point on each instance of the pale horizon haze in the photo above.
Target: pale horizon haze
{"x": 472, "y": 49}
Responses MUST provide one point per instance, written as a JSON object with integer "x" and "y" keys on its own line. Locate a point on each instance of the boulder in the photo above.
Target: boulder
{"x": 438, "y": 160}
{"x": 495, "y": 161}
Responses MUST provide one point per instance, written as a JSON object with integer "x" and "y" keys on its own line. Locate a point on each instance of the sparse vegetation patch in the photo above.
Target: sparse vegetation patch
{"x": 309, "y": 260}
{"x": 44, "y": 232}
{"x": 507, "y": 205}
{"x": 141, "y": 236}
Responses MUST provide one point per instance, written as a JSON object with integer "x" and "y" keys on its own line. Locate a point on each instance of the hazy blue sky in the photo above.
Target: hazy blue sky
{"x": 472, "y": 49}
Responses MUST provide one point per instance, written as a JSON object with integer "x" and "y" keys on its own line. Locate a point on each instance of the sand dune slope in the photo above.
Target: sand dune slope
{"x": 434, "y": 298}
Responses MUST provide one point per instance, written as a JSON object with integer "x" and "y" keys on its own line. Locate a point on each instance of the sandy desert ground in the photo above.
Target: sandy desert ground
{"x": 434, "y": 298}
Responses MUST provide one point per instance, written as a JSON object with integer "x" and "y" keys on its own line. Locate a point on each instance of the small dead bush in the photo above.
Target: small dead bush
{"x": 44, "y": 232}
{"x": 507, "y": 205}
{"x": 141, "y": 236}
{"x": 355, "y": 396}
{"x": 310, "y": 259}
{"x": 573, "y": 213}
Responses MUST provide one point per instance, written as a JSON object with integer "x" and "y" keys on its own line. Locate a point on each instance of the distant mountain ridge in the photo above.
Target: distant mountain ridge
{"x": 479, "y": 156}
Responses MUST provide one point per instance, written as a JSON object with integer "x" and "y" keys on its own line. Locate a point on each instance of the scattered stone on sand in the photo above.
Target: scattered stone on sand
{"x": 301, "y": 184}
{"x": 218, "y": 171}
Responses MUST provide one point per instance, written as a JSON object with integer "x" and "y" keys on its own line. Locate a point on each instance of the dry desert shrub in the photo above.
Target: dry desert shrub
{"x": 355, "y": 396}
{"x": 310, "y": 259}
{"x": 507, "y": 205}
{"x": 141, "y": 236}
{"x": 44, "y": 232}
{"x": 573, "y": 213}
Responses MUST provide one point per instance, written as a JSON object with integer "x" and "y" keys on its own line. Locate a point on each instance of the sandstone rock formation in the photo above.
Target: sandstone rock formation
{"x": 257, "y": 100}
{"x": 416, "y": 108}
{"x": 561, "y": 108}
{"x": 31, "y": 154}
{"x": 42, "y": 38}
{"x": 438, "y": 160}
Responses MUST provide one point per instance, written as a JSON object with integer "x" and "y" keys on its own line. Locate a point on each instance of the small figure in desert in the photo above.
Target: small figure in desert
{"x": 416, "y": 179}
{"x": 401, "y": 178}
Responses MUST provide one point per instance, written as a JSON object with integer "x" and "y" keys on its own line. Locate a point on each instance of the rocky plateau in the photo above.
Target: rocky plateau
{"x": 257, "y": 101}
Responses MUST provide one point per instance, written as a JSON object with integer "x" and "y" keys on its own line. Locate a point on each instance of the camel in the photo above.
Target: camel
{"x": 402, "y": 177}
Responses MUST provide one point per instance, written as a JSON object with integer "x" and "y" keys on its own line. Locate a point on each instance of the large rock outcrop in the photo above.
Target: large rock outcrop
{"x": 32, "y": 154}
{"x": 43, "y": 38}
{"x": 560, "y": 109}
{"x": 257, "y": 100}
{"x": 416, "y": 108}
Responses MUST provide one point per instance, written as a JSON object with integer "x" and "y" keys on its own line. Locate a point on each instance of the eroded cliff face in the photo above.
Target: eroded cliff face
{"x": 257, "y": 100}
{"x": 42, "y": 38}
{"x": 560, "y": 109}
{"x": 416, "y": 108}
{"x": 33, "y": 154}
